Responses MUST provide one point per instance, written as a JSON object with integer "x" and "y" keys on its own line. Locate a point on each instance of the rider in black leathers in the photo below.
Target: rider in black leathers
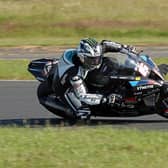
{"x": 67, "y": 79}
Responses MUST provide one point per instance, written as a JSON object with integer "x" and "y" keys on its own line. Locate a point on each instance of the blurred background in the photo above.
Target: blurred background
{"x": 65, "y": 22}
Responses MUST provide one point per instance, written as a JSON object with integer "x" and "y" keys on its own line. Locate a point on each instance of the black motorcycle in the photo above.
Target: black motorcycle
{"x": 134, "y": 76}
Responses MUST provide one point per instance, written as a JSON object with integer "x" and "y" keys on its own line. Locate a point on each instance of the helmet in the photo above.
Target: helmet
{"x": 89, "y": 53}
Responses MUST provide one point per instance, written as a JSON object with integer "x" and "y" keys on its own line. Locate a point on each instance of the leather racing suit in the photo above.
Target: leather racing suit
{"x": 68, "y": 81}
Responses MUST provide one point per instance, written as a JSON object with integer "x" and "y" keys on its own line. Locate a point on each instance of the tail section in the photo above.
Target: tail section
{"x": 40, "y": 68}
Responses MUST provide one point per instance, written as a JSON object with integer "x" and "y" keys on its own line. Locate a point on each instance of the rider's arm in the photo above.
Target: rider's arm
{"x": 110, "y": 46}
{"x": 80, "y": 91}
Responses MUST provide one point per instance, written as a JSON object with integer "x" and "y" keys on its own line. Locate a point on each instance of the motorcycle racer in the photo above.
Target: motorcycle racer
{"x": 67, "y": 79}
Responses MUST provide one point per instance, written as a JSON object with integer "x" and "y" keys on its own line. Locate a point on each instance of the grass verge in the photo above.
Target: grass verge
{"x": 17, "y": 69}
{"x": 82, "y": 147}
{"x": 14, "y": 69}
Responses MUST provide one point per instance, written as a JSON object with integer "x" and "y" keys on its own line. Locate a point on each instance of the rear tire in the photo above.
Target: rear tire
{"x": 44, "y": 90}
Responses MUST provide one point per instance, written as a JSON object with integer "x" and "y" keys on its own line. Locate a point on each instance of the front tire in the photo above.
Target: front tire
{"x": 162, "y": 104}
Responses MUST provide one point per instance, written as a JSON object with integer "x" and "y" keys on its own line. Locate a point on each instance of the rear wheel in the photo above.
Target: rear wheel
{"x": 44, "y": 92}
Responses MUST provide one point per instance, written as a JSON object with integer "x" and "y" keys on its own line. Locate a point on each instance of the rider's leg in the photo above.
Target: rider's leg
{"x": 81, "y": 110}
{"x": 52, "y": 103}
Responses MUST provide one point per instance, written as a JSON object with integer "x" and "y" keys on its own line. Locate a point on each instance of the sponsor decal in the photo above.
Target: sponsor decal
{"x": 143, "y": 82}
{"x": 145, "y": 87}
{"x": 143, "y": 69}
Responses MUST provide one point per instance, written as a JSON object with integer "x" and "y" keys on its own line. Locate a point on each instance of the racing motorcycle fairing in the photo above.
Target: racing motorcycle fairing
{"x": 144, "y": 84}
{"x": 154, "y": 68}
{"x": 162, "y": 68}
{"x": 133, "y": 66}
{"x": 149, "y": 61}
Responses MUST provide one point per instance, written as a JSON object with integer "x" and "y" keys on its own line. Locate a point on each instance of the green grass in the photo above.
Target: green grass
{"x": 74, "y": 41}
{"x": 37, "y": 22}
{"x": 14, "y": 69}
{"x": 82, "y": 147}
{"x": 17, "y": 69}
{"x": 162, "y": 61}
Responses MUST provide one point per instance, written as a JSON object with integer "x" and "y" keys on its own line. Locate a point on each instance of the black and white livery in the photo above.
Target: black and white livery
{"x": 101, "y": 79}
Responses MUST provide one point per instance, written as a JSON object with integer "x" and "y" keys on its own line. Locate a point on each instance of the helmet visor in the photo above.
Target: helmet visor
{"x": 92, "y": 62}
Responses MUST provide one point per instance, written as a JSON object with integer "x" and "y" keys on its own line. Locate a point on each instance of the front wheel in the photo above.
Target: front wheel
{"x": 162, "y": 105}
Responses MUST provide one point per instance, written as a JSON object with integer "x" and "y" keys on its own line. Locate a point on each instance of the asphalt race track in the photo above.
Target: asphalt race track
{"x": 34, "y": 53}
{"x": 19, "y": 105}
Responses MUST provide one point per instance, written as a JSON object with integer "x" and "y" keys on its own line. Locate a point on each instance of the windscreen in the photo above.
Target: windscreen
{"x": 129, "y": 64}
{"x": 123, "y": 63}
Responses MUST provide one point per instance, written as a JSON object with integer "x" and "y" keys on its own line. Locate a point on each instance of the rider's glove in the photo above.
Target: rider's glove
{"x": 114, "y": 100}
{"x": 130, "y": 48}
